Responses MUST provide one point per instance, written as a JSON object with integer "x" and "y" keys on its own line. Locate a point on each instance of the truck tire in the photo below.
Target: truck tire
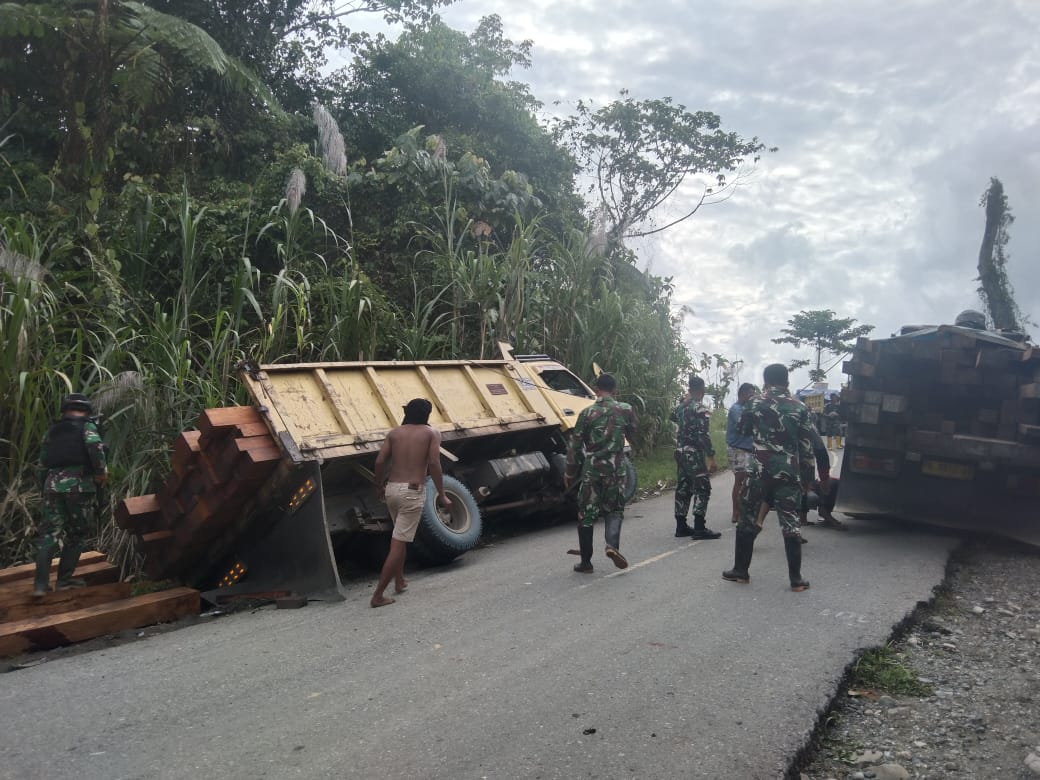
{"x": 440, "y": 539}
{"x": 631, "y": 480}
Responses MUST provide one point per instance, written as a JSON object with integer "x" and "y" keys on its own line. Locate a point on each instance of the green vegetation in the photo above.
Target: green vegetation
{"x": 183, "y": 186}
{"x": 882, "y": 669}
{"x": 657, "y": 466}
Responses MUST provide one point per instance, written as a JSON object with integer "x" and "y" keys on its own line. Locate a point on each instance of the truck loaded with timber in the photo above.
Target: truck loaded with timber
{"x": 944, "y": 428}
{"x": 262, "y": 498}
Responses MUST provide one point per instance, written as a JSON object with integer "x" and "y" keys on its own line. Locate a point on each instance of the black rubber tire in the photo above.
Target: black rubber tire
{"x": 439, "y": 542}
{"x": 631, "y": 480}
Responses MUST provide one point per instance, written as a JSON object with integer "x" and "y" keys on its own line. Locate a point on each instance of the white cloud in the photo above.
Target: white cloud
{"x": 890, "y": 118}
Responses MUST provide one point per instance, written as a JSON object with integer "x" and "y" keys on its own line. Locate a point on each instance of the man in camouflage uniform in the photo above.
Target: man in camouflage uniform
{"x": 596, "y": 454}
{"x": 778, "y": 475}
{"x": 695, "y": 461}
{"x": 72, "y": 468}
{"x": 831, "y": 422}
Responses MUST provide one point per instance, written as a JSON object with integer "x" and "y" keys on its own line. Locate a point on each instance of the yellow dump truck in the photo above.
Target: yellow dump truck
{"x": 504, "y": 425}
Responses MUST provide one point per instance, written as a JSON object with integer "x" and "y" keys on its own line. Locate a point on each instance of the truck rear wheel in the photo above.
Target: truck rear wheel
{"x": 444, "y": 534}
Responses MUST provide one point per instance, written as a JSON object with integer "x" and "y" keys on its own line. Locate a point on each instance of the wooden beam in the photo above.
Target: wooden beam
{"x": 24, "y": 606}
{"x": 334, "y": 399}
{"x": 90, "y": 622}
{"x": 28, "y": 570}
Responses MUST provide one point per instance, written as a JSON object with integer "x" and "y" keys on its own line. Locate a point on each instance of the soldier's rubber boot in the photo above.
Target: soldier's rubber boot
{"x": 612, "y": 536}
{"x": 67, "y": 565}
{"x": 701, "y": 531}
{"x": 841, "y": 443}
{"x": 682, "y": 528}
{"x": 793, "y": 548}
{"x": 41, "y": 584}
{"x": 585, "y": 549}
{"x": 743, "y": 548}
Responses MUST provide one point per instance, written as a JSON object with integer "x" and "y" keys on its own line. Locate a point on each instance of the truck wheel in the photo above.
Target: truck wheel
{"x": 443, "y": 535}
{"x": 631, "y": 481}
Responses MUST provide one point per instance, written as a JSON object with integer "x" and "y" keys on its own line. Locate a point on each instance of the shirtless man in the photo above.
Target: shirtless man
{"x": 413, "y": 450}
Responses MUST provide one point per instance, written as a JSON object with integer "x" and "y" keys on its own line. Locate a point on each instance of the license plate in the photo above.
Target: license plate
{"x": 941, "y": 468}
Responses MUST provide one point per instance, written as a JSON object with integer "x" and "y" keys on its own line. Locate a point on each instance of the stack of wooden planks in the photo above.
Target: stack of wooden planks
{"x": 216, "y": 472}
{"x": 945, "y": 391}
{"x": 62, "y": 617}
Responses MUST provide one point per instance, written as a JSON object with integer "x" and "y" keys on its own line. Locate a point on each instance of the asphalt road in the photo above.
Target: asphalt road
{"x": 504, "y": 665}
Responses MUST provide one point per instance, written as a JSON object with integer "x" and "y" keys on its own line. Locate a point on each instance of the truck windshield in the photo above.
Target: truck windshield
{"x": 565, "y": 382}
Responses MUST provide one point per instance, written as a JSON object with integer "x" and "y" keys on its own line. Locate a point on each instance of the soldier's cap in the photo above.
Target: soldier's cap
{"x": 76, "y": 401}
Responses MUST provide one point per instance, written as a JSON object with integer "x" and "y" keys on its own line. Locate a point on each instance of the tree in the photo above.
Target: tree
{"x": 86, "y": 69}
{"x": 719, "y": 373}
{"x": 455, "y": 85}
{"x": 821, "y": 330}
{"x": 995, "y": 290}
{"x": 640, "y": 153}
{"x": 285, "y": 41}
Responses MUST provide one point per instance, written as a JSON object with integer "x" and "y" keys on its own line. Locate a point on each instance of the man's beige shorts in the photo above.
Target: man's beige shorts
{"x": 738, "y": 459}
{"x": 405, "y": 502}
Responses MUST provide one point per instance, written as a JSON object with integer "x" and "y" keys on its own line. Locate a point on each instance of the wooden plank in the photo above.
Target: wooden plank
{"x": 213, "y": 420}
{"x": 185, "y": 452}
{"x": 1032, "y": 390}
{"x": 28, "y": 570}
{"x": 1029, "y": 433}
{"x": 976, "y": 448}
{"x": 25, "y": 606}
{"x": 140, "y": 514}
{"x": 894, "y": 403}
{"x": 857, "y": 368}
{"x": 90, "y": 622}
{"x": 869, "y": 414}
{"x": 237, "y": 431}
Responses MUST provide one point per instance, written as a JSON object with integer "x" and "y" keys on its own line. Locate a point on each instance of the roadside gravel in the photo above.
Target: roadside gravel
{"x": 977, "y": 648}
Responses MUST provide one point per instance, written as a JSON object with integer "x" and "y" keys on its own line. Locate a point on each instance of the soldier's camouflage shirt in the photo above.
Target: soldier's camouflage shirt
{"x": 79, "y": 478}
{"x": 694, "y": 421}
{"x": 780, "y": 426}
{"x": 597, "y": 443}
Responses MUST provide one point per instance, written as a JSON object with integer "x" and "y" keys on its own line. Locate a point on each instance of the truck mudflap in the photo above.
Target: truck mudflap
{"x": 292, "y": 556}
{"x": 960, "y": 495}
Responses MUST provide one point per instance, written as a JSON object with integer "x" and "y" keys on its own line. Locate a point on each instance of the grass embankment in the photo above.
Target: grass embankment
{"x": 657, "y": 468}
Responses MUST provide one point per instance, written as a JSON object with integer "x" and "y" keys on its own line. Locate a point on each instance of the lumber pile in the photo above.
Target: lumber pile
{"x": 949, "y": 391}
{"x": 216, "y": 472}
{"x": 62, "y": 617}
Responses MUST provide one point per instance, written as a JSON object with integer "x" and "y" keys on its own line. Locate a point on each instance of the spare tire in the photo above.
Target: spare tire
{"x": 444, "y": 534}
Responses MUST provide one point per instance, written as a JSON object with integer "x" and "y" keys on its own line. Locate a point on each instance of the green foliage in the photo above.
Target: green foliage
{"x": 883, "y": 669}
{"x": 639, "y": 154}
{"x": 824, "y": 332}
{"x": 995, "y": 289}
{"x": 719, "y": 374}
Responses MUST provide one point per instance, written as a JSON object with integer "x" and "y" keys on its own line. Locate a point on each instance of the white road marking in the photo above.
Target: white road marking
{"x": 647, "y": 562}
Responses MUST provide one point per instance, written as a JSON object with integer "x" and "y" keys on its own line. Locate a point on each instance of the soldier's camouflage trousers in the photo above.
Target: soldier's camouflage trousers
{"x": 693, "y": 484}
{"x": 600, "y": 495}
{"x": 66, "y": 515}
{"x": 783, "y": 495}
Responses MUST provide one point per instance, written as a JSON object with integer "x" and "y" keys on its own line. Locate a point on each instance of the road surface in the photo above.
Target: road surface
{"x": 504, "y": 665}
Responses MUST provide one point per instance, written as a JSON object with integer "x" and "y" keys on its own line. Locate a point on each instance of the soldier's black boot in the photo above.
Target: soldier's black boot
{"x": 67, "y": 565}
{"x": 682, "y": 528}
{"x": 701, "y": 531}
{"x": 584, "y": 549}
{"x": 612, "y": 536}
{"x": 793, "y": 548}
{"x": 41, "y": 585}
{"x": 743, "y": 548}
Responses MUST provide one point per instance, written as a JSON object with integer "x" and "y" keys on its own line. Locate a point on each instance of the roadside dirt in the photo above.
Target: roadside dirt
{"x": 975, "y": 652}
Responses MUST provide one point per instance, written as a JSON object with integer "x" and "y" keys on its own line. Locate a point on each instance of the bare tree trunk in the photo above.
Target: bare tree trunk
{"x": 995, "y": 290}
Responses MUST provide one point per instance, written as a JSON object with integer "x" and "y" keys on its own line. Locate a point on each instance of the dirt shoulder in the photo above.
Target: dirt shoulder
{"x": 957, "y": 692}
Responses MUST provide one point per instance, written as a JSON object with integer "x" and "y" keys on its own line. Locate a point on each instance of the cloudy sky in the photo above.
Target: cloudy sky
{"x": 890, "y": 118}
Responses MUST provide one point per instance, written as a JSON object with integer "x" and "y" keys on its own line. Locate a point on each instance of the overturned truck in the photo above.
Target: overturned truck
{"x": 944, "y": 428}
{"x": 260, "y": 499}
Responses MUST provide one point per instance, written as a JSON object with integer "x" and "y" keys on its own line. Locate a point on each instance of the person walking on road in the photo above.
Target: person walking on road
{"x": 778, "y": 475}
{"x": 413, "y": 449}
{"x": 739, "y": 447}
{"x": 72, "y": 469}
{"x": 595, "y": 455}
{"x": 695, "y": 462}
